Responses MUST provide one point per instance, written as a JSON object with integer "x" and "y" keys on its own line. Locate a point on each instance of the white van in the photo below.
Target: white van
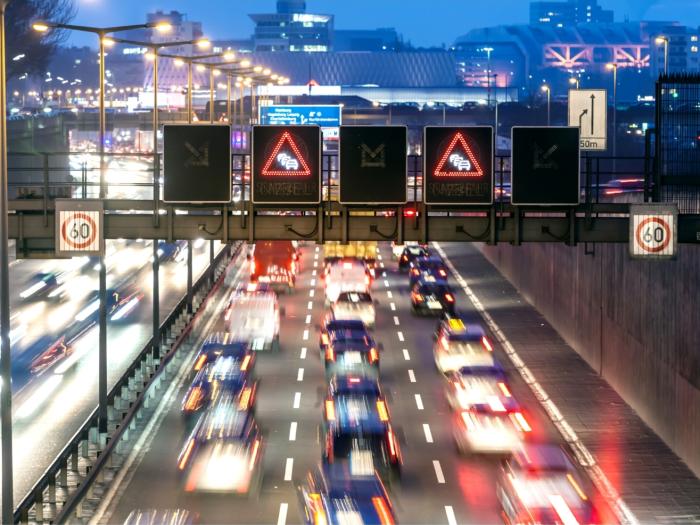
{"x": 255, "y": 318}
{"x": 346, "y": 276}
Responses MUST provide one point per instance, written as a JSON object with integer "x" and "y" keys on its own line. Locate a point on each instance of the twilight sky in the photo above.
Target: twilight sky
{"x": 423, "y": 22}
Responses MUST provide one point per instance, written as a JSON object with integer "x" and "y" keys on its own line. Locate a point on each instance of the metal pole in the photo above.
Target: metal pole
{"x": 228, "y": 99}
{"x": 156, "y": 301}
{"x": 614, "y": 131}
{"x": 156, "y": 197}
{"x": 666, "y": 42}
{"x": 211, "y": 95}
{"x": 252, "y": 103}
{"x": 5, "y": 354}
{"x": 102, "y": 358}
{"x": 549, "y": 107}
{"x": 189, "y": 92}
{"x": 211, "y": 251}
{"x": 102, "y": 117}
{"x": 189, "y": 276}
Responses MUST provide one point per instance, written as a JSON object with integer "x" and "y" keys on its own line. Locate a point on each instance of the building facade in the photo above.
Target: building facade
{"x": 291, "y": 28}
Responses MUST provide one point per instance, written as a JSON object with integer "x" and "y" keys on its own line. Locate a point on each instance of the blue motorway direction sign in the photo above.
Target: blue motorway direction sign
{"x": 300, "y": 115}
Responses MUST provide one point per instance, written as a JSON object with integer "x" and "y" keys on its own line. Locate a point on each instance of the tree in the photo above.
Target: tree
{"x": 21, "y": 39}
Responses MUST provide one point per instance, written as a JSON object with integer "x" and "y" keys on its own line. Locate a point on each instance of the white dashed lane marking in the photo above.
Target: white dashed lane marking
{"x": 313, "y": 282}
{"x": 300, "y": 374}
{"x": 392, "y": 306}
{"x": 313, "y": 273}
{"x": 406, "y": 355}
{"x": 312, "y": 293}
{"x": 438, "y": 471}
{"x": 428, "y": 434}
{"x": 386, "y": 283}
{"x": 310, "y": 305}
{"x": 389, "y": 294}
{"x": 411, "y": 376}
{"x": 282, "y": 516}
{"x": 419, "y": 402}
{"x": 288, "y": 469}
{"x": 297, "y": 400}
{"x": 451, "y": 518}
{"x": 400, "y": 335}
{"x": 308, "y": 319}
{"x": 302, "y": 355}
{"x": 293, "y": 431}
{"x": 396, "y": 321}
{"x": 305, "y": 336}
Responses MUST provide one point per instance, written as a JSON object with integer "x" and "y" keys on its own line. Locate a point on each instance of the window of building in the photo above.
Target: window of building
{"x": 693, "y": 49}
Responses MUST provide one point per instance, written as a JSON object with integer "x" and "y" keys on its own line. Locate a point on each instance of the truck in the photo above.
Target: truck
{"x": 363, "y": 250}
{"x": 276, "y": 263}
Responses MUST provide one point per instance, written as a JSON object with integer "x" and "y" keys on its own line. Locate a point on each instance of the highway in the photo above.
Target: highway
{"x": 437, "y": 485}
{"x": 49, "y": 406}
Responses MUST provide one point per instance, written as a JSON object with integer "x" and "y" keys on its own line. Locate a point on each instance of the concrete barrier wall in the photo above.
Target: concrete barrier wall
{"x": 636, "y": 322}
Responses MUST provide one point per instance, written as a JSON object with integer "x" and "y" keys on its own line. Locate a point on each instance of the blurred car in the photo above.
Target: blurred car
{"x": 355, "y": 305}
{"x": 491, "y": 427}
{"x": 432, "y": 298}
{"x": 352, "y": 356}
{"x": 464, "y": 391}
{"x": 334, "y": 329}
{"x": 255, "y": 318}
{"x": 540, "y": 484}
{"x": 121, "y": 304}
{"x": 397, "y": 249}
{"x": 224, "y": 376}
{"x": 160, "y": 516}
{"x": 346, "y": 275}
{"x": 466, "y": 347}
{"x": 409, "y": 254}
{"x": 427, "y": 269}
{"x": 276, "y": 263}
{"x": 170, "y": 251}
{"x": 55, "y": 351}
{"x": 358, "y": 429}
{"x": 334, "y": 495}
{"x": 44, "y": 286}
{"x": 224, "y": 452}
{"x": 222, "y": 344}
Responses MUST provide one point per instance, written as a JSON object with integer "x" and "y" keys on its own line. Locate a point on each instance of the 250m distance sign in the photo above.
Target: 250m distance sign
{"x": 286, "y": 165}
{"x": 458, "y": 165}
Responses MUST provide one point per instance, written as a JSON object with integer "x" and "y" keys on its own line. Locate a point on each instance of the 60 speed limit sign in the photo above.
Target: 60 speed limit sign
{"x": 79, "y": 227}
{"x": 653, "y": 231}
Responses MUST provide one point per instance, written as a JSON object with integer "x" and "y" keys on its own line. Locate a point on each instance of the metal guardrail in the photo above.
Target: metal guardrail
{"x": 123, "y": 400}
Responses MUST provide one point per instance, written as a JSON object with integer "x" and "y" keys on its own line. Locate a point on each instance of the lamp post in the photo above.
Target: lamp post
{"x": 548, "y": 90}
{"x": 575, "y": 82}
{"x": 613, "y": 67}
{"x": 181, "y": 60}
{"x": 488, "y": 50}
{"x": 665, "y": 41}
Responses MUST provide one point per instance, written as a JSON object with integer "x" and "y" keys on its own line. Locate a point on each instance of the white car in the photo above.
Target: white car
{"x": 354, "y": 305}
{"x": 488, "y": 430}
{"x": 346, "y": 276}
{"x": 397, "y": 249}
{"x": 254, "y": 317}
{"x": 455, "y": 351}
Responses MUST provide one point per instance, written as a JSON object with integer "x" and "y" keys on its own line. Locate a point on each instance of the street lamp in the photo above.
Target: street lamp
{"x": 613, "y": 67}
{"x": 488, "y": 50}
{"x": 575, "y": 82}
{"x": 665, "y": 41}
{"x": 546, "y": 89}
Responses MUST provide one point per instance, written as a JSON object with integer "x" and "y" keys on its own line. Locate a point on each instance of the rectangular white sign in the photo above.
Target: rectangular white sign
{"x": 588, "y": 111}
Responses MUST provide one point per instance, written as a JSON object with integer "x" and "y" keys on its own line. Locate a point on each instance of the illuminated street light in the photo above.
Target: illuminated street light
{"x": 258, "y": 69}
{"x": 546, "y": 89}
{"x": 245, "y": 63}
{"x": 574, "y": 82}
{"x": 665, "y": 41}
{"x": 228, "y": 56}
{"x": 613, "y": 67}
{"x": 203, "y": 43}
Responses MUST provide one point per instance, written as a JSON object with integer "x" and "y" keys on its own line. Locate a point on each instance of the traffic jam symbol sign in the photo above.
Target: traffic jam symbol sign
{"x": 545, "y": 166}
{"x": 373, "y": 165}
{"x": 79, "y": 228}
{"x": 653, "y": 231}
{"x": 286, "y": 165}
{"x": 588, "y": 111}
{"x": 458, "y": 165}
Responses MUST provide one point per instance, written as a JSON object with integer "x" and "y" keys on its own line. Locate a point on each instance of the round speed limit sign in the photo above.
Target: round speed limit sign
{"x": 79, "y": 231}
{"x": 653, "y": 231}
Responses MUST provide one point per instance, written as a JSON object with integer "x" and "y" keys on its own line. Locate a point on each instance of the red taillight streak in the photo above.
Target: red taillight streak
{"x": 200, "y": 362}
{"x": 449, "y": 298}
{"x": 486, "y": 343}
{"x": 330, "y": 354}
{"x": 382, "y": 511}
{"x": 245, "y": 363}
{"x": 186, "y": 455}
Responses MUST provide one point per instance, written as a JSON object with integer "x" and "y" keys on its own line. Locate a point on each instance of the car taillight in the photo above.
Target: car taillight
{"x": 442, "y": 273}
{"x": 317, "y": 510}
{"x": 324, "y": 339}
{"x": 522, "y": 422}
{"x": 373, "y": 355}
{"x": 245, "y": 363}
{"x": 468, "y": 419}
{"x": 417, "y": 297}
{"x": 253, "y": 266}
{"x": 392, "y": 444}
{"x": 254, "y": 454}
{"x": 382, "y": 411}
{"x": 186, "y": 455}
{"x": 404, "y": 257}
{"x": 409, "y": 212}
{"x": 382, "y": 509}
{"x": 415, "y": 271}
{"x": 367, "y": 280}
{"x": 330, "y": 354}
{"x": 200, "y": 362}
{"x": 486, "y": 343}
{"x": 449, "y": 298}
{"x": 330, "y": 410}
{"x": 504, "y": 389}
{"x": 193, "y": 399}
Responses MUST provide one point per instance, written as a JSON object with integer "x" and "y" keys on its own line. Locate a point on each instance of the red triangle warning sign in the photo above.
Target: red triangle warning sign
{"x": 286, "y": 160}
{"x": 458, "y": 160}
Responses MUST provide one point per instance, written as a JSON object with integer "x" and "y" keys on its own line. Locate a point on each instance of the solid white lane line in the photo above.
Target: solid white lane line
{"x": 406, "y": 355}
{"x": 438, "y": 471}
{"x": 310, "y": 305}
{"x": 297, "y": 400}
{"x": 428, "y": 434}
{"x": 282, "y": 516}
{"x": 313, "y": 282}
{"x": 411, "y": 376}
{"x": 312, "y": 293}
{"x": 288, "y": 469}
{"x": 305, "y": 336}
{"x": 396, "y": 321}
{"x": 451, "y": 518}
{"x": 389, "y": 294}
{"x": 302, "y": 355}
{"x": 419, "y": 402}
{"x": 293, "y": 431}
{"x": 583, "y": 455}
{"x": 313, "y": 273}
{"x": 308, "y": 319}
{"x": 300, "y": 374}
{"x": 393, "y": 306}
{"x": 386, "y": 283}
{"x": 400, "y": 334}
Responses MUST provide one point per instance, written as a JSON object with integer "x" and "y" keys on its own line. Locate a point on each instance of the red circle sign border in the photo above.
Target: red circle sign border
{"x": 79, "y": 245}
{"x": 660, "y": 222}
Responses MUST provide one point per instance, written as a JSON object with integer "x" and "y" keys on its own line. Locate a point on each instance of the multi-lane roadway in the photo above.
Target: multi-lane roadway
{"x": 437, "y": 485}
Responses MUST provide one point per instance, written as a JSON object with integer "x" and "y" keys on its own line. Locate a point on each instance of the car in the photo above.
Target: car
{"x": 223, "y": 453}
{"x": 255, "y": 318}
{"x": 468, "y": 390}
{"x": 224, "y": 376}
{"x": 397, "y": 249}
{"x": 427, "y": 269}
{"x": 409, "y": 254}
{"x": 464, "y": 348}
{"x": 432, "y": 298}
{"x": 222, "y": 344}
{"x": 357, "y": 429}
{"x": 334, "y": 329}
{"x": 121, "y": 301}
{"x": 355, "y": 305}
{"x": 44, "y": 286}
{"x": 334, "y": 495}
{"x": 55, "y": 351}
{"x": 346, "y": 275}
{"x": 540, "y": 484}
{"x": 276, "y": 263}
{"x": 352, "y": 356}
{"x": 170, "y": 251}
